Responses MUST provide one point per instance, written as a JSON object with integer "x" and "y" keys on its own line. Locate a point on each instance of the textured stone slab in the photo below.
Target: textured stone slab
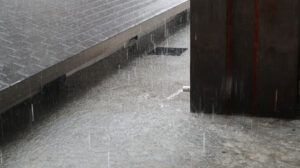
{"x": 36, "y": 35}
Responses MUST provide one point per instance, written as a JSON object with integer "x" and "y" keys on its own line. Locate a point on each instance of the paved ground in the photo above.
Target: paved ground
{"x": 36, "y": 34}
{"x": 134, "y": 115}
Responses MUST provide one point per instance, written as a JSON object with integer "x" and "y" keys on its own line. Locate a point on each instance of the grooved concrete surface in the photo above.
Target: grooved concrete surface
{"x": 36, "y": 34}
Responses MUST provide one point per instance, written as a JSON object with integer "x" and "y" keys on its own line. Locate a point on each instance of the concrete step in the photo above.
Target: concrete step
{"x": 41, "y": 41}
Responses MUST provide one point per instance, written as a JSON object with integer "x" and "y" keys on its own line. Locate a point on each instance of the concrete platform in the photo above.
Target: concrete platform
{"x": 129, "y": 113}
{"x": 41, "y": 40}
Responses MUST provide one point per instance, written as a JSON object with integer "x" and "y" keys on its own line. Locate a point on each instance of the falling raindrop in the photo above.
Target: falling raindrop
{"x": 32, "y": 113}
{"x": 108, "y": 159}
{"x": 128, "y": 78}
{"x": 152, "y": 84}
{"x": 1, "y": 160}
{"x": 89, "y": 139}
{"x": 127, "y": 54}
{"x": 203, "y": 144}
{"x": 276, "y": 100}
{"x": 213, "y": 112}
{"x": 153, "y": 43}
{"x": 134, "y": 69}
{"x": 119, "y": 68}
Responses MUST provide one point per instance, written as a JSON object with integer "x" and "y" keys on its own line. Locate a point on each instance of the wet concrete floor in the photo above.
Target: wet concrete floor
{"x": 134, "y": 115}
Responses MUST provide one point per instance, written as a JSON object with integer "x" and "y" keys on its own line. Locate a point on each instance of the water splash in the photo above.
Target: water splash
{"x": 172, "y": 96}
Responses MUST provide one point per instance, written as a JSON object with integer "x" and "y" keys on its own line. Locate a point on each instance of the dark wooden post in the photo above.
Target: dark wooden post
{"x": 208, "y": 43}
{"x": 278, "y": 55}
{"x": 245, "y": 56}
